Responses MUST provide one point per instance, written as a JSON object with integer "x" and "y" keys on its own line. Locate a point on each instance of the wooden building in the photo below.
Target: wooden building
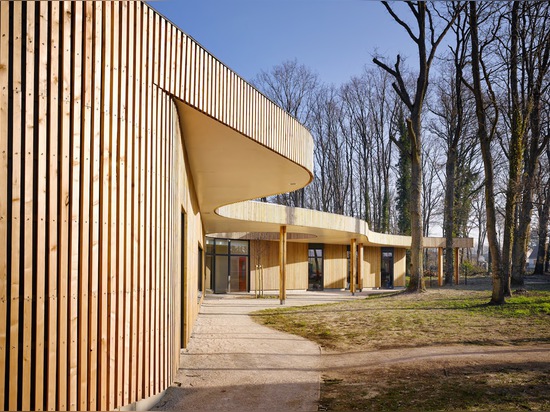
{"x": 123, "y": 143}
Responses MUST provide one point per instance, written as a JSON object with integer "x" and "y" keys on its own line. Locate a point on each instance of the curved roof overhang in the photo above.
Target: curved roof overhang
{"x": 257, "y": 220}
{"x": 228, "y": 166}
{"x": 239, "y": 144}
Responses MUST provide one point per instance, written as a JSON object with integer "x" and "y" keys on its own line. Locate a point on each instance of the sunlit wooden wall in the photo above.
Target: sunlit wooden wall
{"x": 266, "y": 253}
{"x": 93, "y": 183}
{"x": 335, "y": 262}
{"x": 399, "y": 266}
{"x": 371, "y": 266}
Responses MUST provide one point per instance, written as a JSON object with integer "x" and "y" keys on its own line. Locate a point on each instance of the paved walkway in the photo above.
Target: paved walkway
{"x": 234, "y": 364}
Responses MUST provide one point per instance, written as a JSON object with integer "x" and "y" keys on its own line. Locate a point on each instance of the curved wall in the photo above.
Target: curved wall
{"x": 96, "y": 276}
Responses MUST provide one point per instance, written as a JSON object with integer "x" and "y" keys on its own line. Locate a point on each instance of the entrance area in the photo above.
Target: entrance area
{"x": 315, "y": 267}
{"x": 227, "y": 261}
{"x": 386, "y": 275}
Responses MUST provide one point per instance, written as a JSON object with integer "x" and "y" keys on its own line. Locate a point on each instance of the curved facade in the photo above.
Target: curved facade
{"x": 105, "y": 113}
{"x": 123, "y": 143}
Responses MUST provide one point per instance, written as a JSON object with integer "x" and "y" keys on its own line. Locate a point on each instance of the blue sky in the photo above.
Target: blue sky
{"x": 335, "y": 38}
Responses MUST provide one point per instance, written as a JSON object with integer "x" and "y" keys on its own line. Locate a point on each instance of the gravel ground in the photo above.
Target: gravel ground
{"x": 234, "y": 364}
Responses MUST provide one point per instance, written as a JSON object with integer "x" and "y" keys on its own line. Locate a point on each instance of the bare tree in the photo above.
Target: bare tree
{"x": 531, "y": 21}
{"x": 290, "y": 85}
{"x": 427, "y": 41}
{"x": 486, "y": 133}
{"x": 543, "y": 208}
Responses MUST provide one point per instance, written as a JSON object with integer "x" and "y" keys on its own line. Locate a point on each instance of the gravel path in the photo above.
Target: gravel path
{"x": 234, "y": 364}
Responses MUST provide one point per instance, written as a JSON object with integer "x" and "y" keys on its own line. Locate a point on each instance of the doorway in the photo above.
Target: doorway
{"x": 386, "y": 275}
{"x": 315, "y": 267}
{"x": 228, "y": 262}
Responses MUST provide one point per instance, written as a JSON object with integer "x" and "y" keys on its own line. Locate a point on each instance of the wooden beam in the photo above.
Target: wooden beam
{"x": 440, "y": 266}
{"x": 456, "y": 265}
{"x": 282, "y": 265}
{"x": 360, "y": 266}
{"x": 352, "y": 260}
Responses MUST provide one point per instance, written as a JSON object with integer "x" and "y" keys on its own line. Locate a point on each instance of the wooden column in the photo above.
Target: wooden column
{"x": 360, "y": 266}
{"x": 352, "y": 259}
{"x": 456, "y": 264}
{"x": 282, "y": 265}
{"x": 440, "y": 266}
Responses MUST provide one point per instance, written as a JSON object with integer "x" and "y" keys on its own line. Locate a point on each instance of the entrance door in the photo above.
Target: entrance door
{"x": 315, "y": 267}
{"x": 229, "y": 265}
{"x": 386, "y": 276}
{"x": 221, "y": 275}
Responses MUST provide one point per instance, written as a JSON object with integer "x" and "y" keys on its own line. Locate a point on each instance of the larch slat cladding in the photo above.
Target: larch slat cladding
{"x": 266, "y": 254}
{"x": 372, "y": 260}
{"x": 93, "y": 180}
{"x": 399, "y": 266}
{"x": 335, "y": 266}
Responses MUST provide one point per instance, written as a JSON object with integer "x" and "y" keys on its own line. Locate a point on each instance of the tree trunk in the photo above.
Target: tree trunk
{"x": 515, "y": 153}
{"x": 416, "y": 283}
{"x": 449, "y": 215}
{"x": 519, "y": 253}
{"x": 544, "y": 218}
{"x": 499, "y": 279}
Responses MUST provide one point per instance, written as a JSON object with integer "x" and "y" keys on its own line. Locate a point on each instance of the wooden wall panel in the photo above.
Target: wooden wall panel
{"x": 296, "y": 270}
{"x": 371, "y": 267}
{"x": 335, "y": 266}
{"x": 73, "y": 140}
{"x": 95, "y": 174}
{"x": 399, "y": 266}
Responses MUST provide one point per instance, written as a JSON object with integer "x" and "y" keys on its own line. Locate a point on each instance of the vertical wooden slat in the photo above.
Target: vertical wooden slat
{"x": 4, "y": 181}
{"x": 96, "y": 225}
{"x": 85, "y": 207}
{"x": 120, "y": 200}
{"x": 128, "y": 30}
{"x": 152, "y": 235}
{"x": 144, "y": 113}
{"x": 103, "y": 370}
{"x": 64, "y": 179}
{"x": 27, "y": 220}
{"x": 137, "y": 266}
{"x": 16, "y": 145}
{"x": 113, "y": 197}
{"x": 147, "y": 209}
{"x": 41, "y": 175}
{"x": 75, "y": 201}
{"x": 164, "y": 54}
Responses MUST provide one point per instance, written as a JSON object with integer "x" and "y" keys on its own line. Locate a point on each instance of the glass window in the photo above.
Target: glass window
{"x": 239, "y": 247}
{"x": 222, "y": 246}
{"x": 209, "y": 246}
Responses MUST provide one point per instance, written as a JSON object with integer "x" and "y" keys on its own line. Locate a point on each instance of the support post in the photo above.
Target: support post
{"x": 440, "y": 266}
{"x": 282, "y": 265}
{"x": 457, "y": 265}
{"x": 352, "y": 259}
{"x": 360, "y": 266}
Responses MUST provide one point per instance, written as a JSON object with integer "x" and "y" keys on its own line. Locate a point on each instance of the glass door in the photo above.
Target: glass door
{"x": 386, "y": 276}
{"x": 227, "y": 261}
{"x": 315, "y": 267}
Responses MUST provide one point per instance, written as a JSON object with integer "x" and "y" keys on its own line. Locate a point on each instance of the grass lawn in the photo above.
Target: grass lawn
{"x": 446, "y": 317}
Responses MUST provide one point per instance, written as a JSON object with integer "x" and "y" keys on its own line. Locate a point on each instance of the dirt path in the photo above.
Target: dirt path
{"x": 235, "y": 364}
{"x": 450, "y": 378}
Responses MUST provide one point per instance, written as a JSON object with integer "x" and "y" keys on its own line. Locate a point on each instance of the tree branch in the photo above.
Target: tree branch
{"x": 401, "y": 22}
